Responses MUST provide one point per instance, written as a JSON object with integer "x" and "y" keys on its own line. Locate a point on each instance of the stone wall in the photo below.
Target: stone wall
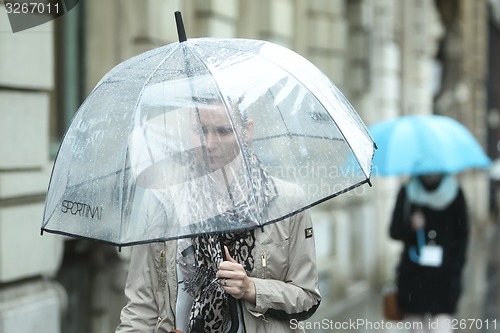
{"x": 27, "y": 260}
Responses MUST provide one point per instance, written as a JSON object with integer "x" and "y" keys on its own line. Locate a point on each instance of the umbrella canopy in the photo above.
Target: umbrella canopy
{"x": 207, "y": 131}
{"x": 420, "y": 144}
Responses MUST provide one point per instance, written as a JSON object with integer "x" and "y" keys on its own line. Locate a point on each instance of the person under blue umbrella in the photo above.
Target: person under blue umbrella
{"x": 430, "y": 217}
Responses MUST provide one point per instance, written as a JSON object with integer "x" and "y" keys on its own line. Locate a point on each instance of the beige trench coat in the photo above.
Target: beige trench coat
{"x": 284, "y": 274}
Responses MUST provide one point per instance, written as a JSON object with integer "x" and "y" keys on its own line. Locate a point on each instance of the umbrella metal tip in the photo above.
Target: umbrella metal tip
{"x": 181, "y": 32}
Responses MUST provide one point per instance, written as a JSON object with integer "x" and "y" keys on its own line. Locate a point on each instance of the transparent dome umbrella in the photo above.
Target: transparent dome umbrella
{"x": 209, "y": 132}
{"x": 420, "y": 144}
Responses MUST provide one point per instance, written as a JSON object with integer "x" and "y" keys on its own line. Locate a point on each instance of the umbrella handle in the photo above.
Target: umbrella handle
{"x": 233, "y": 303}
{"x": 199, "y": 324}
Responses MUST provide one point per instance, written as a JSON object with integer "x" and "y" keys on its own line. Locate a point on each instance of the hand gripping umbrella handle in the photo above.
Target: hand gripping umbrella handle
{"x": 233, "y": 303}
{"x": 233, "y": 307}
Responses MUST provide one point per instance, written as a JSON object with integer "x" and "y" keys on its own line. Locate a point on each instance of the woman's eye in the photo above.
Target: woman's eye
{"x": 224, "y": 131}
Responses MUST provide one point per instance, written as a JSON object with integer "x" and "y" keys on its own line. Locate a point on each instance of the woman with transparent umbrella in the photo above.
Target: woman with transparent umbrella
{"x": 184, "y": 285}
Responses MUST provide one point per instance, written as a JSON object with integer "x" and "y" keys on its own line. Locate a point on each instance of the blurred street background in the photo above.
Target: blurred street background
{"x": 388, "y": 57}
{"x": 479, "y": 307}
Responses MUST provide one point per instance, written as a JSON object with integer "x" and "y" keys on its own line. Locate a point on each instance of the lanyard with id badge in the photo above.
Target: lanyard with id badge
{"x": 430, "y": 255}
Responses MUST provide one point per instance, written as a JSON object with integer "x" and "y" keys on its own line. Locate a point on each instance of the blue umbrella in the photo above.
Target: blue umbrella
{"x": 419, "y": 144}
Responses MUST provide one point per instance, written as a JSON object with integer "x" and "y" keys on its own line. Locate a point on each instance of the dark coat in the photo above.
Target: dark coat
{"x": 424, "y": 289}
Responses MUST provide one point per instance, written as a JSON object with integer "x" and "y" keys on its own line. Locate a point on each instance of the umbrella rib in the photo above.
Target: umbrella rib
{"x": 197, "y": 111}
{"x": 289, "y": 134}
{"x": 132, "y": 119}
{"x": 331, "y": 117}
{"x": 367, "y": 176}
{"x": 48, "y": 215}
{"x": 297, "y": 135}
{"x": 227, "y": 105}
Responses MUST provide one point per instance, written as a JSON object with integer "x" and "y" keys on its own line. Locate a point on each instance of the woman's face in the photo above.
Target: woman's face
{"x": 220, "y": 139}
{"x": 431, "y": 181}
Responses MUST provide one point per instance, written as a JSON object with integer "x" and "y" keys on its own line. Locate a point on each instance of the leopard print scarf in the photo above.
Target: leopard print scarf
{"x": 210, "y": 300}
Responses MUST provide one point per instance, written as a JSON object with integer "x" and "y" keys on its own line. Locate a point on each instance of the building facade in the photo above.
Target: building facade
{"x": 389, "y": 57}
